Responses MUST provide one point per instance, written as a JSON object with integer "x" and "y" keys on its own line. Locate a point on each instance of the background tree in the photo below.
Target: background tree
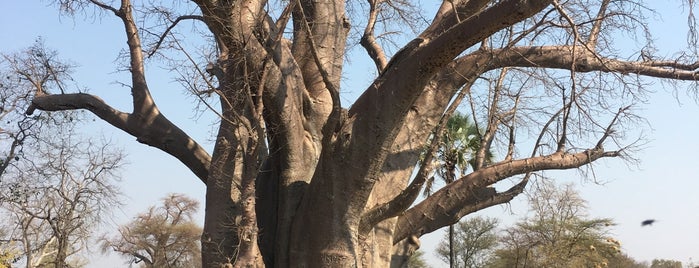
{"x": 662, "y": 263}
{"x": 56, "y": 200}
{"x": 20, "y": 74}
{"x": 164, "y": 236}
{"x": 623, "y": 260}
{"x": 557, "y": 234}
{"x": 474, "y": 240}
{"x": 335, "y": 182}
{"x": 57, "y": 185}
{"x": 417, "y": 260}
{"x": 8, "y": 249}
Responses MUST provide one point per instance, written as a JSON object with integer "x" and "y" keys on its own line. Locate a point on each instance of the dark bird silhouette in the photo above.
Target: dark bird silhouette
{"x": 647, "y": 222}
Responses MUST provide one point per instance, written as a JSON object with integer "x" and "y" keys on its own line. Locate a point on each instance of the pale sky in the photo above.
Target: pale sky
{"x": 662, "y": 187}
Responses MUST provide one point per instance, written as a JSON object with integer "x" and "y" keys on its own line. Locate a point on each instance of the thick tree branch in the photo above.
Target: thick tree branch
{"x": 401, "y": 202}
{"x": 452, "y": 12}
{"x": 146, "y": 123}
{"x": 482, "y": 198}
{"x": 94, "y": 104}
{"x": 160, "y": 133}
{"x": 561, "y": 57}
{"x": 328, "y": 81}
{"x": 319, "y": 26}
{"x": 380, "y": 111}
{"x": 439, "y": 209}
{"x": 420, "y": 122}
{"x": 368, "y": 41}
{"x": 143, "y": 104}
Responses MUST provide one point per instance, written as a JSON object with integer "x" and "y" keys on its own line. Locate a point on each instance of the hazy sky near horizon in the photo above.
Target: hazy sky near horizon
{"x": 663, "y": 186}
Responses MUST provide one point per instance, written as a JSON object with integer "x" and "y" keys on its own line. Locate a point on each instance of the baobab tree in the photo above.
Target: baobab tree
{"x": 297, "y": 179}
{"x": 163, "y": 236}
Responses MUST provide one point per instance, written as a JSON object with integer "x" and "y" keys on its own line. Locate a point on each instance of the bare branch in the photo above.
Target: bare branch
{"x": 368, "y": 41}
{"x": 511, "y": 127}
{"x": 169, "y": 28}
{"x": 493, "y": 121}
{"x": 59, "y": 193}
{"x": 597, "y": 26}
{"x": 608, "y": 131}
{"x": 107, "y": 7}
{"x": 282, "y": 21}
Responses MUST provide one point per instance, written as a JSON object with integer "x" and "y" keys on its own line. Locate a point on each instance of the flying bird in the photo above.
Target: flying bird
{"x": 647, "y": 222}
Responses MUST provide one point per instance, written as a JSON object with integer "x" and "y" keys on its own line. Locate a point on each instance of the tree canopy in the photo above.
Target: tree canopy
{"x": 163, "y": 236}
{"x": 558, "y": 233}
{"x": 475, "y": 240}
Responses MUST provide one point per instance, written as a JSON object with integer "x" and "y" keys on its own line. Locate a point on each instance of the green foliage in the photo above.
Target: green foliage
{"x": 417, "y": 260}
{"x": 474, "y": 241}
{"x": 456, "y": 152}
{"x": 164, "y": 236}
{"x": 8, "y": 254}
{"x": 558, "y": 234}
{"x": 624, "y": 261}
{"x": 662, "y": 263}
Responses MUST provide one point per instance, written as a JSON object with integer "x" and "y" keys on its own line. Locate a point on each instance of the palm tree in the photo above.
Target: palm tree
{"x": 457, "y": 148}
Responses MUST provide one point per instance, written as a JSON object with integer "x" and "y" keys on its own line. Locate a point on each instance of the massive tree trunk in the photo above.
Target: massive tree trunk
{"x": 296, "y": 180}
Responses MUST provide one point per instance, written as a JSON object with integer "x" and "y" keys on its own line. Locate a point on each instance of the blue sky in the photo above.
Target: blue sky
{"x": 662, "y": 187}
